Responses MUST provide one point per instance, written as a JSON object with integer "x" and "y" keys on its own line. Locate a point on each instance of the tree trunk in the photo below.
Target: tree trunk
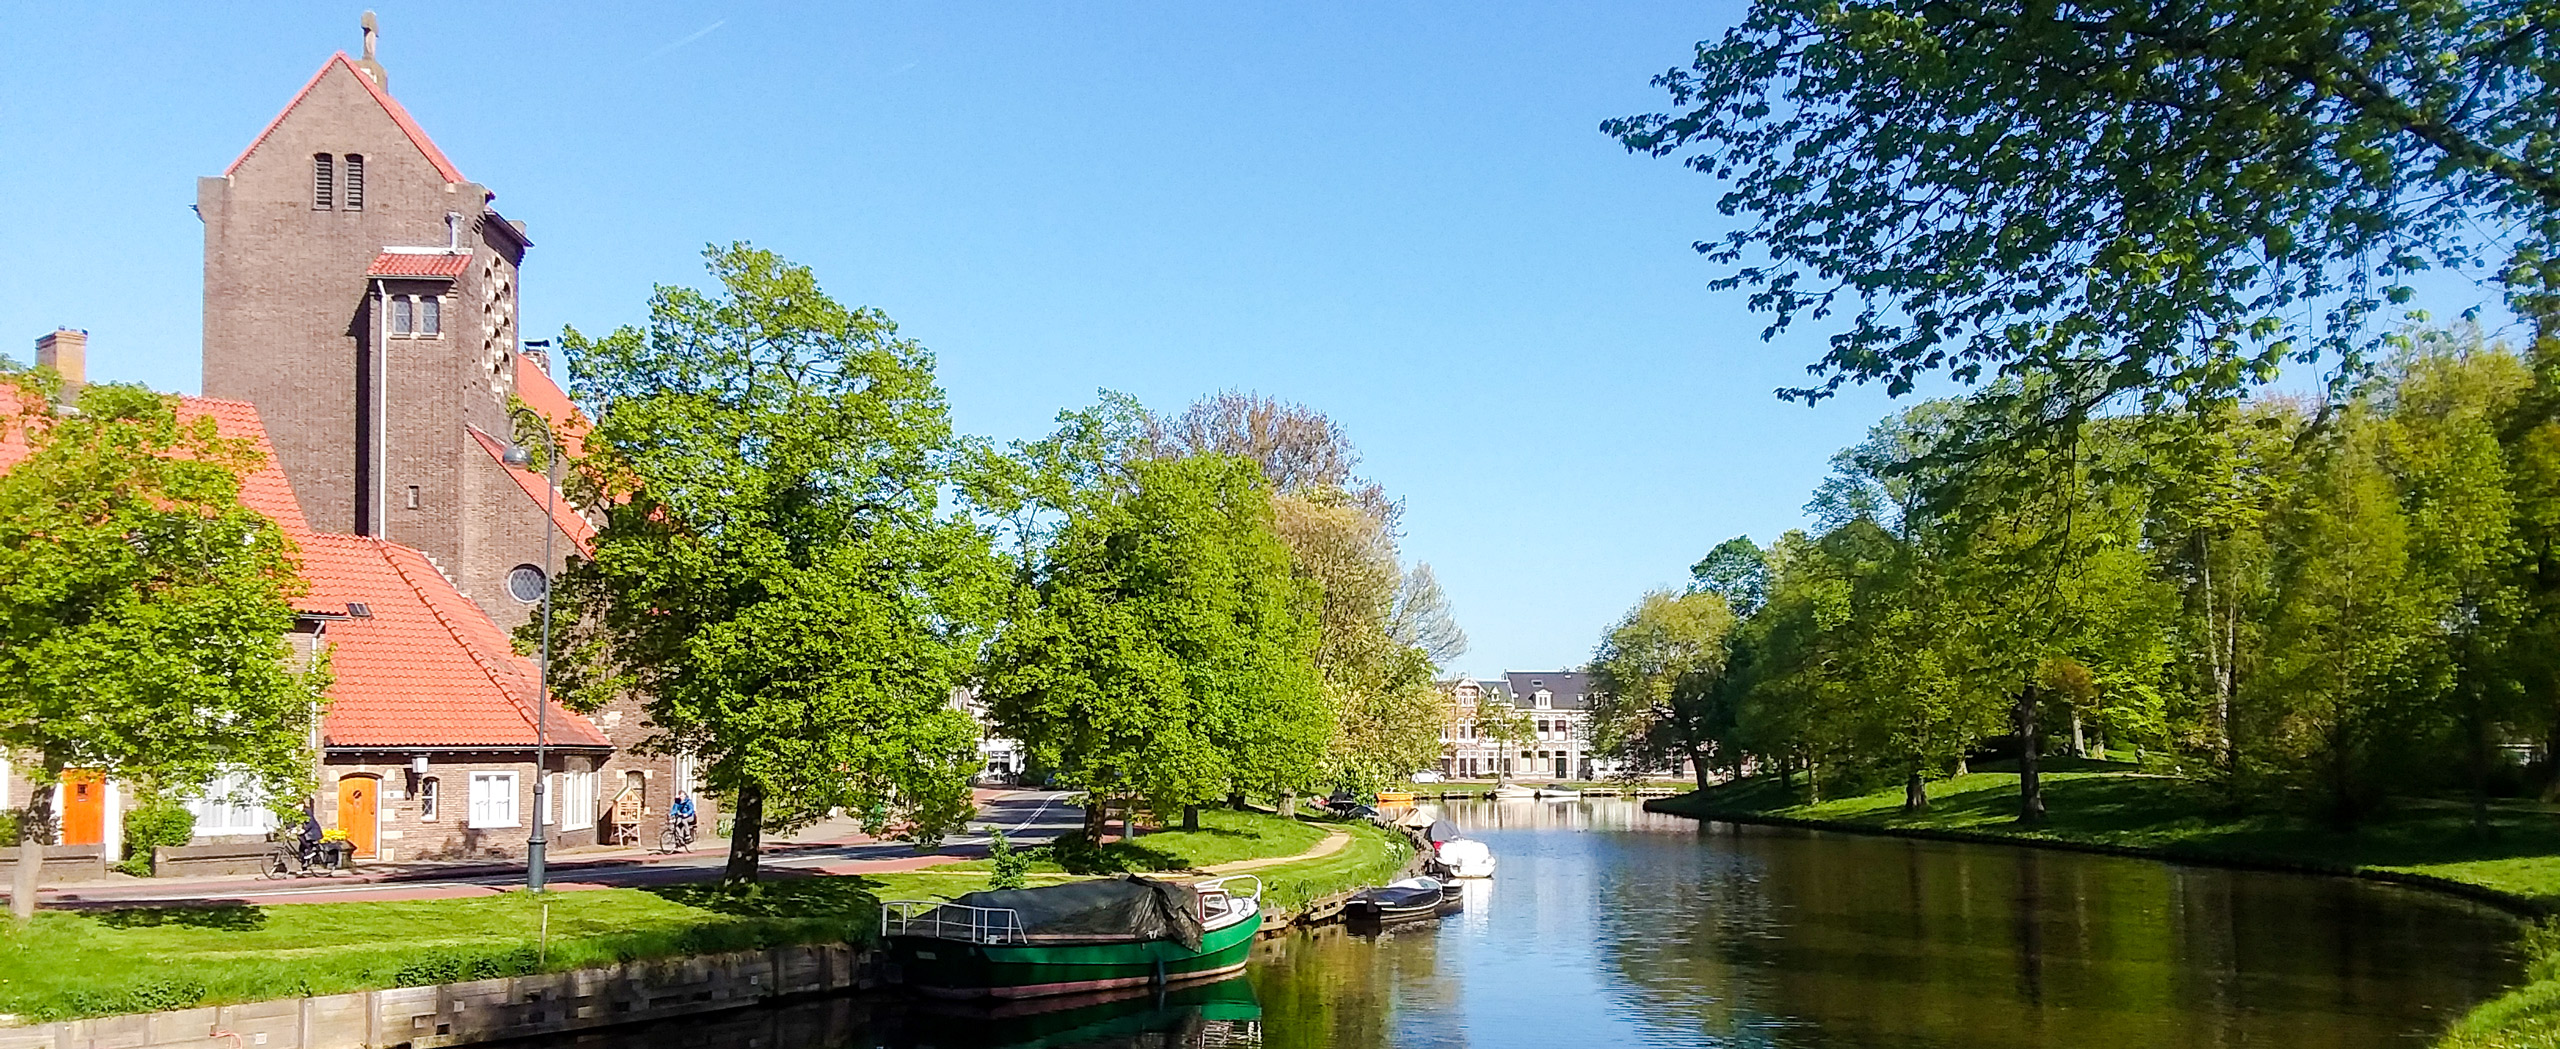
{"x": 1191, "y": 817}
{"x": 1812, "y": 782}
{"x": 1915, "y": 793}
{"x": 1235, "y": 801}
{"x": 1289, "y": 805}
{"x": 1698, "y": 767}
{"x": 746, "y": 836}
{"x": 35, "y": 831}
{"x": 1964, "y": 765}
{"x": 2079, "y": 738}
{"x": 2030, "y": 787}
{"x": 1097, "y": 819}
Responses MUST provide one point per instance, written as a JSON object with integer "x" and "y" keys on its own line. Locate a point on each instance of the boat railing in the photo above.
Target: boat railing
{"x": 1216, "y": 892}
{"x": 951, "y": 921}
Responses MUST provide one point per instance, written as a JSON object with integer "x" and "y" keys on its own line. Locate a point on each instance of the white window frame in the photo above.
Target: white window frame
{"x": 230, "y": 805}
{"x": 486, "y": 797}
{"x": 573, "y": 793}
{"x": 431, "y": 799}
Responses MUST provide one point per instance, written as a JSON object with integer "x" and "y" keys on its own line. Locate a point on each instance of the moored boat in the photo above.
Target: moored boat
{"x": 1512, "y": 792}
{"x": 1074, "y": 938}
{"x": 1403, "y": 900}
{"x": 1466, "y": 858}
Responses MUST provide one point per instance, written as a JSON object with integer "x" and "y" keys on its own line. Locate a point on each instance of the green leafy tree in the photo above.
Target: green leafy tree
{"x": 1162, "y": 649}
{"x": 1659, "y": 673}
{"x": 1735, "y": 570}
{"x": 777, "y": 577}
{"x": 2174, "y": 199}
{"x": 144, "y": 611}
{"x": 2346, "y": 624}
{"x": 1504, "y": 723}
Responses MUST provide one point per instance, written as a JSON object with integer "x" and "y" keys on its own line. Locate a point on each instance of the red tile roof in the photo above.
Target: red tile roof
{"x": 264, "y": 489}
{"x": 417, "y": 135}
{"x": 536, "y": 487}
{"x": 535, "y": 388}
{"x": 419, "y": 264}
{"x": 427, "y": 668}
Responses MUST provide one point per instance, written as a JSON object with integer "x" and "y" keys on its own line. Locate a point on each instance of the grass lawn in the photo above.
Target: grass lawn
{"x": 2518, "y": 856}
{"x": 91, "y": 963}
{"x": 96, "y": 963}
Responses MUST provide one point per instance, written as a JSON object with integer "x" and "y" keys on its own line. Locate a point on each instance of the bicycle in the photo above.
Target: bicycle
{"x": 299, "y": 859}
{"x": 677, "y": 836}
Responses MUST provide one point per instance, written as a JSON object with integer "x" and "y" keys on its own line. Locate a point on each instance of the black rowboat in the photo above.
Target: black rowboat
{"x": 1407, "y": 900}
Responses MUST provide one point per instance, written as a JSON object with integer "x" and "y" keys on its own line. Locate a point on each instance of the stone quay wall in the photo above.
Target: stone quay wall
{"x": 477, "y": 1010}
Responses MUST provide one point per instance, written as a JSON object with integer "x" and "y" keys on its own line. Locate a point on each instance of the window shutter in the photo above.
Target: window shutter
{"x": 324, "y": 181}
{"x": 355, "y": 182}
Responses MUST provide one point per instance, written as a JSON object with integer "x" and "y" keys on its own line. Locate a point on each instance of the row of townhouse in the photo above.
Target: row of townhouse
{"x": 1557, "y": 705}
{"x": 359, "y": 326}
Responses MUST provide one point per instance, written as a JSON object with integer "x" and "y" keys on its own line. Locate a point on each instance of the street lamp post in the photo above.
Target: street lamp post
{"x": 518, "y": 456}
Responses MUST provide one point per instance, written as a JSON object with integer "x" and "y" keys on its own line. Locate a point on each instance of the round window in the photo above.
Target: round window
{"x": 526, "y": 583}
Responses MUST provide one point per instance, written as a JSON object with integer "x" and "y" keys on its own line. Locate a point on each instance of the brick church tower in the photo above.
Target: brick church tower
{"x": 362, "y": 293}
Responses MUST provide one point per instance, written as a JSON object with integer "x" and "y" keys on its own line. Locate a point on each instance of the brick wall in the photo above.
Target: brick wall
{"x": 407, "y": 833}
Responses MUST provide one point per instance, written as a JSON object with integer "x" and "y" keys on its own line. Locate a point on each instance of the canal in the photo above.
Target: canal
{"x": 1610, "y": 926}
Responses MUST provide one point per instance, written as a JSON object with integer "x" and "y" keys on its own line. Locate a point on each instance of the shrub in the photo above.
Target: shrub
{"x": 158, "y": 822}
{"x": 1011, "y": 865}
{"x": 458, "y": 966}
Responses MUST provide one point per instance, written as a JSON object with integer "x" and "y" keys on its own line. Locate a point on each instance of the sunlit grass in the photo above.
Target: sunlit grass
{"x": 95, "y": 963}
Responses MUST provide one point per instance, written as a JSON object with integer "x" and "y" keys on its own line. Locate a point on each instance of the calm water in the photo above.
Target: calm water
{"x": 1611, "y": 927}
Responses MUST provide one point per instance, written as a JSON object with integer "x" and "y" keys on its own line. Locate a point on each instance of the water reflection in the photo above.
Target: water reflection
{"x": 1609, "y": 926}
{"x": 1222, "y": 1015}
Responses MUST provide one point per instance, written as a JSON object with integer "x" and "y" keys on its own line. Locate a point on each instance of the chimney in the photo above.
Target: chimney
{"x": 66, "y": 351}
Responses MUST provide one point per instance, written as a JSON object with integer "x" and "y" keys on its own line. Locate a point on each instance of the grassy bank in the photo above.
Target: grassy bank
{"x": 96, "y": 963}
{"x": 2517, "y": 859}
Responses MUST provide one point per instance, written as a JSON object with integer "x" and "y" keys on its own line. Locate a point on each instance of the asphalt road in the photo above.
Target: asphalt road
{"x": 1026, "y": 817}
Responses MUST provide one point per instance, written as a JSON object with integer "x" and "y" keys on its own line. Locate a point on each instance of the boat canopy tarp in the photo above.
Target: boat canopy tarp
{"x": 1138, "y": 908}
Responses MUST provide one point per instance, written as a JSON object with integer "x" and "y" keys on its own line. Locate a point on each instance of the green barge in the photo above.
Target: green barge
{"x": 1076, "y": 938}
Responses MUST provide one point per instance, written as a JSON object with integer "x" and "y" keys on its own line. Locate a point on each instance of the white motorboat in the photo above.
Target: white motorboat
{"x": 1512, "y": 792}
{"x": 1466, "y": 858}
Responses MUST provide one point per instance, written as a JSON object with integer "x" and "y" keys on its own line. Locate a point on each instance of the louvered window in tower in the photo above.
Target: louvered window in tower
{"x": 324, "y": 180}
{"x": 355, "y": 182}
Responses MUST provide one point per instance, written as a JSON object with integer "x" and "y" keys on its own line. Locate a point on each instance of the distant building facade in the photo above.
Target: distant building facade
{"x": 1558, "y": 706}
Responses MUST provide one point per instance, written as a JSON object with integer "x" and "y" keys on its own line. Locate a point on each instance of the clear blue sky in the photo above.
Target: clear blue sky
{"x": 1401, "y": 214}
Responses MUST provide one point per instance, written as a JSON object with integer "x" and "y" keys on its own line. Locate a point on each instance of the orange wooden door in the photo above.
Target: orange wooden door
{"x": 356, "y": 810}
{"x": 84, "y": 807}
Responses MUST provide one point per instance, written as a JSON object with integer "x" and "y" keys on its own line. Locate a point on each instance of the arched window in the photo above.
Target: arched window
{"x": 324, "y": 181}
{"x": 355, "y": 182}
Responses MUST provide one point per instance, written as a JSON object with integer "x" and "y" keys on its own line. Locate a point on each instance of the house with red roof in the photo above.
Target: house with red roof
{"x": 360, "y": 322}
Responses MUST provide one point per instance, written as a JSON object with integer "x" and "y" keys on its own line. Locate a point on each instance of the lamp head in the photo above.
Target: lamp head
{"x": 518, "y": 456}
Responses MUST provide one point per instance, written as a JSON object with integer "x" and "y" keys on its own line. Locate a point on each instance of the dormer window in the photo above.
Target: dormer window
{"x": 355, "y": 182}
{"x": 324, "y": 181}
{"x": 1545, "y": 699}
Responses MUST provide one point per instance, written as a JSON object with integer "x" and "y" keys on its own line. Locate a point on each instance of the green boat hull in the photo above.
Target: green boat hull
{"x": 960, "y": 969}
